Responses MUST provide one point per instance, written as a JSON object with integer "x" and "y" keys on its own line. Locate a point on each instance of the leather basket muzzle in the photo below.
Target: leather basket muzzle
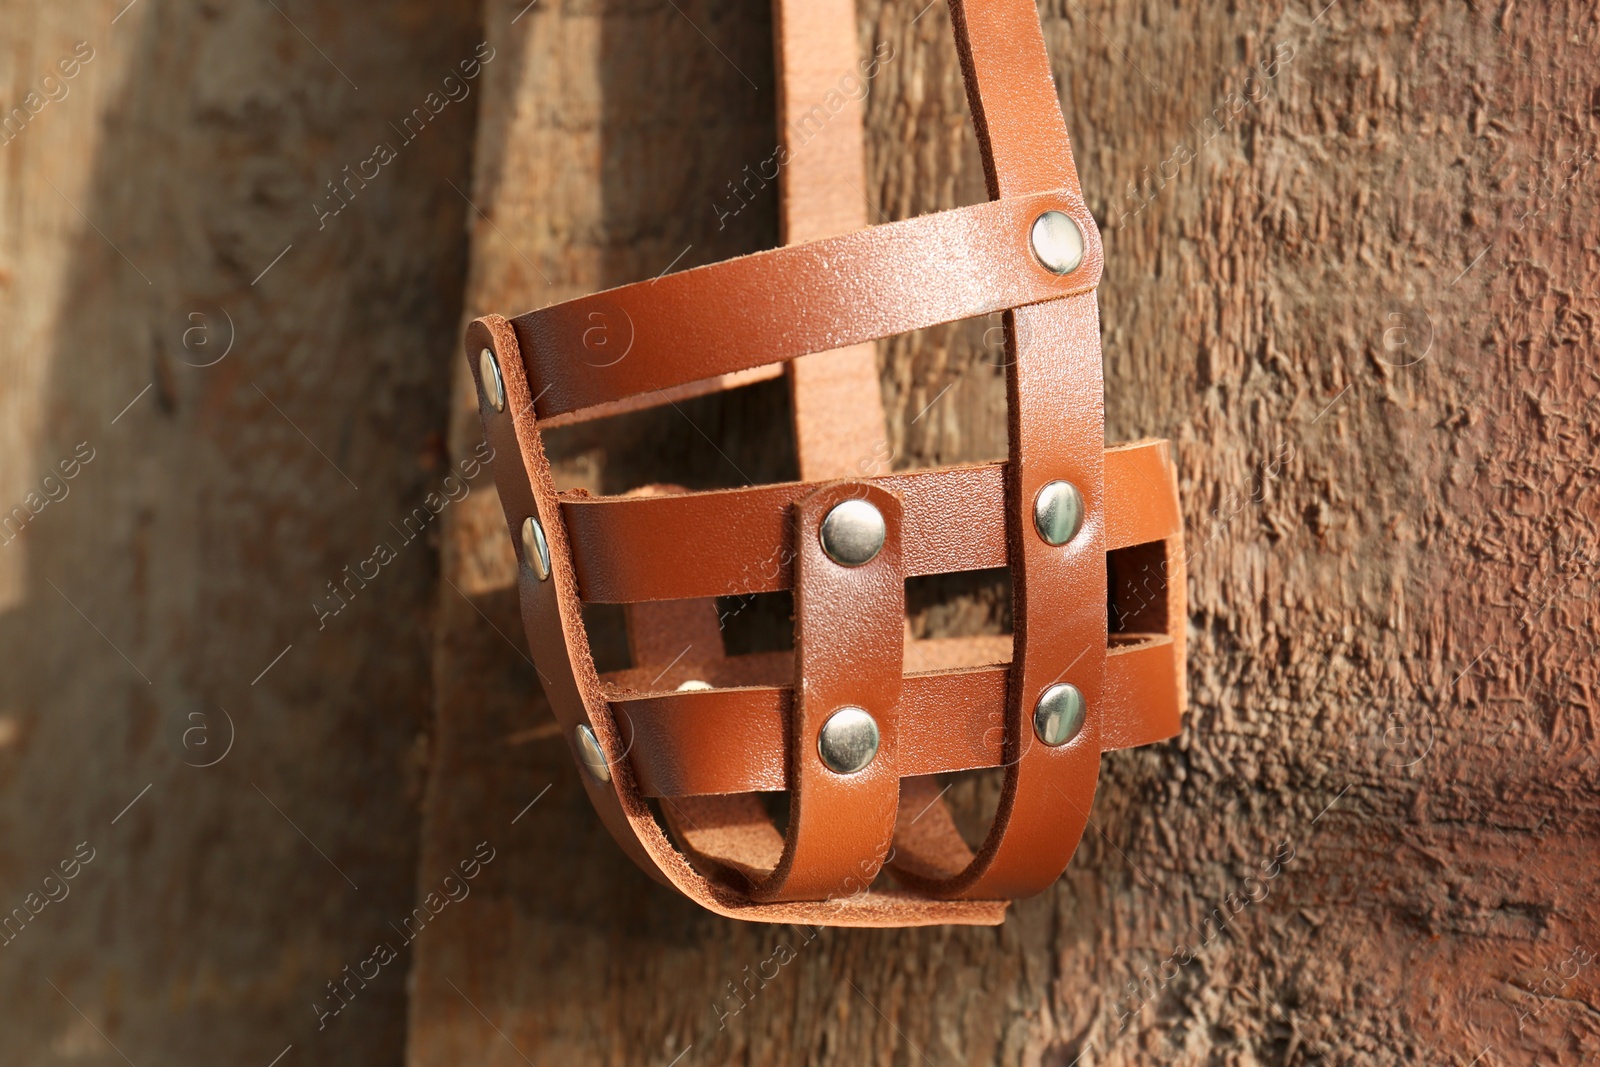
{"x": 677, "y": 750}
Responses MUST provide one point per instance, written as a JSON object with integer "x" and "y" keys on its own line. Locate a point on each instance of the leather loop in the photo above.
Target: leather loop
{"x": 1058, "y": 607}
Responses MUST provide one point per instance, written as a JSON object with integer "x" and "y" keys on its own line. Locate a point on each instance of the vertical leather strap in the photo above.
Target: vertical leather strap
{"x": 1059, "y": 597}
{"x": 834, "y": 396}
{"x": 1012, "y": 96}
{"x": 821, "y": 96}
{"x": 1057, "y": 432}
{"x": 849, "y": 651}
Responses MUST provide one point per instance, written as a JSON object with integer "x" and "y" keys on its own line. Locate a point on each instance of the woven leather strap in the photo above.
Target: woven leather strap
{"x": 706, "y": 753}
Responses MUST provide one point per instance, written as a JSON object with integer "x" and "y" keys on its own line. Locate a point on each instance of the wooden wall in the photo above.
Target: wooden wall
{"x": 144, "y": 611}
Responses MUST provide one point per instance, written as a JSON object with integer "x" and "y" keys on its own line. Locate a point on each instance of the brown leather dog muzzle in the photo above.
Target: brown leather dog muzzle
{"x": 859, "y": 724}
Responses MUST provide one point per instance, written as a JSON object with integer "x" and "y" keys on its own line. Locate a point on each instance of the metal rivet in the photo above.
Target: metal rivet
{"x": 1058, "y": 512}
{"x": 853, "y": 533}
{"x": 1059, "y": 716}
{"x": 694, "y": 685}
{"x": 849, "y": 740}
{"x": 1057, "y": 242}
{"x": 591, "y": 754}
{"x": 535, "y": 552}
{"x": 494, "y": 390}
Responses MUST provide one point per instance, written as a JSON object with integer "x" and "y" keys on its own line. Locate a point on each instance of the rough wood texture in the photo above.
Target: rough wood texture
{"x": 141, "y": 609}
{"x": 1351, "y": 272}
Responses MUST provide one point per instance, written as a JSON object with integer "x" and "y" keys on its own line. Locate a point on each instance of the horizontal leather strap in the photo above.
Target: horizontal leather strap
{"x": 717, "y": 741}
{"x": 729, "y": 542}
{"x": 776, "y": 305}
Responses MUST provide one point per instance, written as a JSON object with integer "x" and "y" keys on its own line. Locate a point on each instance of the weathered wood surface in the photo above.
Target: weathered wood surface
{"x": 1351, "y": 272}
{"x": 141, "y": 609}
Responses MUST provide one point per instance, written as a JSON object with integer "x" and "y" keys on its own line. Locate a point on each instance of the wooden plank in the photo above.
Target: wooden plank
{"x": 161, "y": 605}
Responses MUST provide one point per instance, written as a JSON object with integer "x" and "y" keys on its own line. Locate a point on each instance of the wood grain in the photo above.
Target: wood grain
{"x": 165, "y": 605}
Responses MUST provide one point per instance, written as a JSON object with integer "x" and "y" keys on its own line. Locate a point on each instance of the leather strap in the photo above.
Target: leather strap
{"x": 847, "y": 657}
{"x": 834, "y": 398}
{"x": 732, "y": 316}
{"x": 732, "y": 740}
{"x": 1058, "y": 604}
{"x": 730, "y": 542}
{"x": 1056, "y": 430}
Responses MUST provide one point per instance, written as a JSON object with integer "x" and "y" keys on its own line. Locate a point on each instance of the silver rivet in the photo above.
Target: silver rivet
{"x": 1058, "y": 512}
{"x": 849, "y": 740}
{"x": 591, "y": 754}
{"x": 694, "y": 685}
{"x": 1059, "y": 716}
{"x": 1057, "y": 242}
{"x": 535, "y": 552}
{"x": 494, "y": 390}
{"x": 853, "y": 533}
